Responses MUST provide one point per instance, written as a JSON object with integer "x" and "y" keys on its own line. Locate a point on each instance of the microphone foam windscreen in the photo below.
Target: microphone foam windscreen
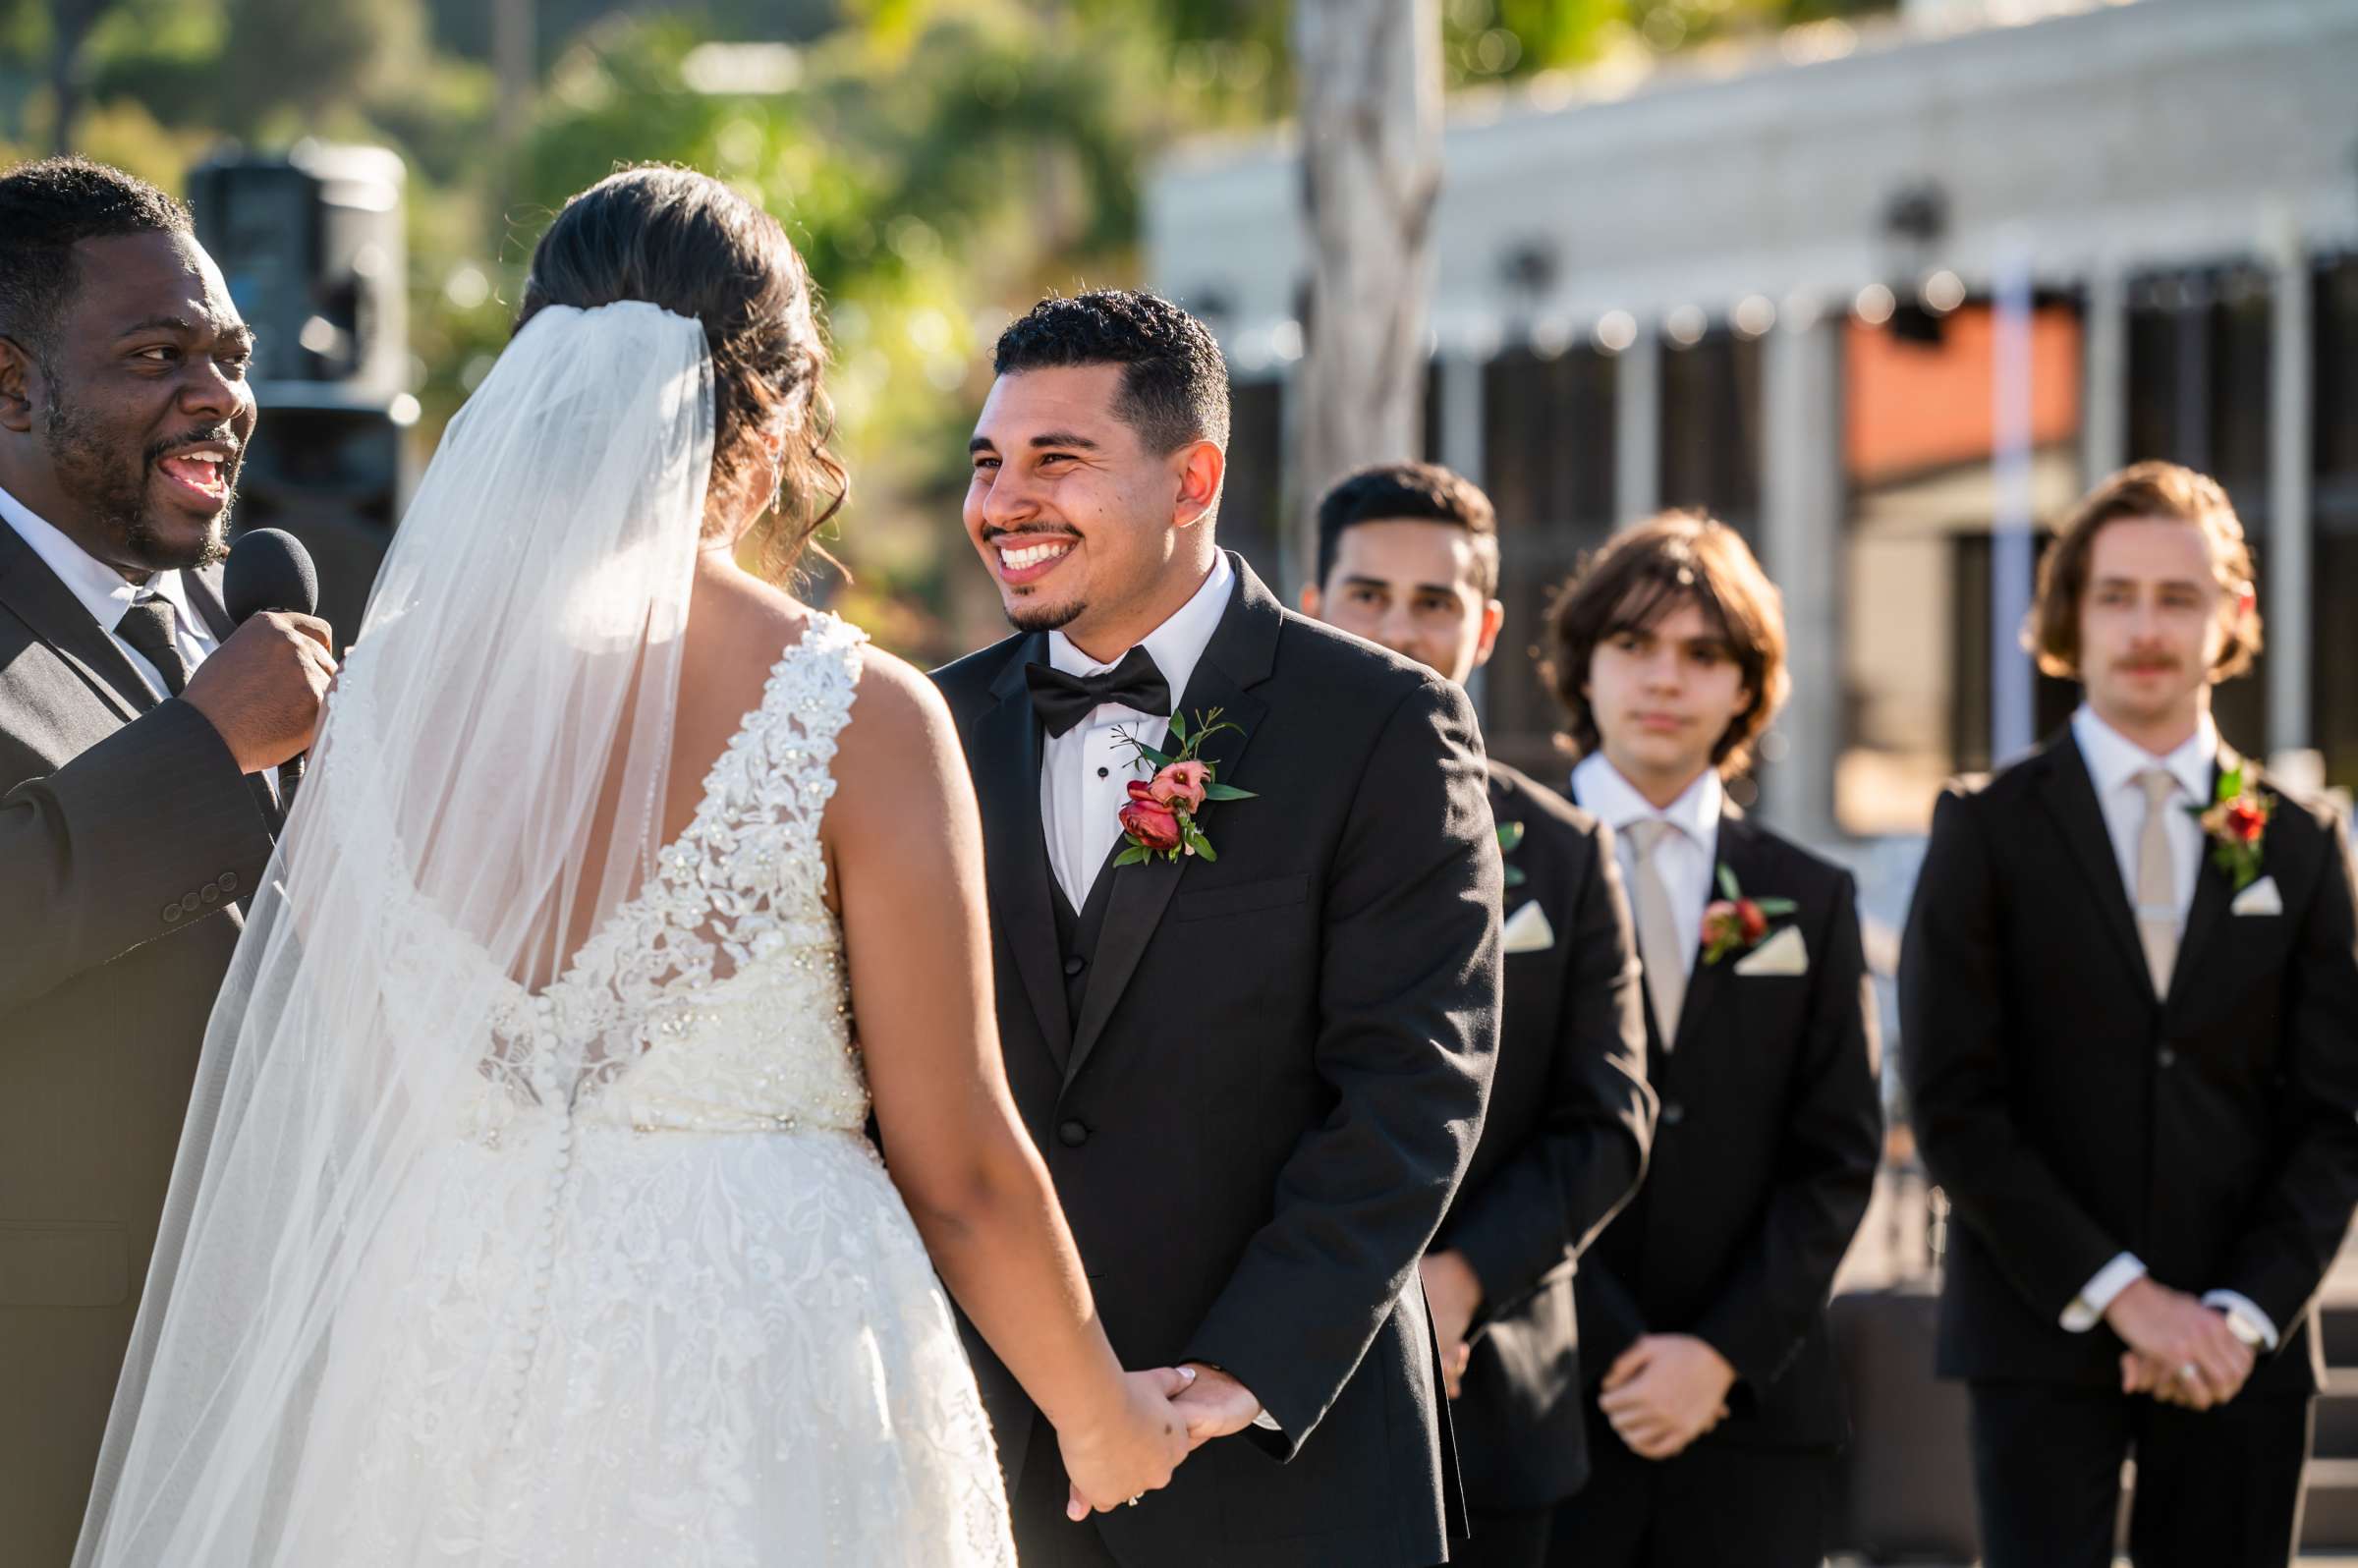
{"x": 268, "y": 570}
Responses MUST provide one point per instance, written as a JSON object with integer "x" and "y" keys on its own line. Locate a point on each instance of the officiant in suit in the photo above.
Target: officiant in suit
{"x": 2130, "y": 993}
{"x": 1256, "y": 1070}
{"x": 1408, "y": 557}
{"x": 1718, "y": 1413}
{"x": 138, "y": 728}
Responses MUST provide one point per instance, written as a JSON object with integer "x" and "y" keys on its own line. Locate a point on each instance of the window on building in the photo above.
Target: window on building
{"x": 1919, "y": 433}
{"x": 2334, "y": 501}
{"x": 1711, "y": 447}
{"x": 1547, "y": 465}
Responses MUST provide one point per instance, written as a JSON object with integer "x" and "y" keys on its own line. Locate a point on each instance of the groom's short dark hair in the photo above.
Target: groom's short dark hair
{"x": 1174, "y": 381}
{"x": 48, "y": 208}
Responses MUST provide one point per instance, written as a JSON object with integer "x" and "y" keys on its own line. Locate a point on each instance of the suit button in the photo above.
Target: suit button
{"x": 171, "y": 912}
{"x": 212, "y": 892}
{"x": 2167, "y": 1057}
{"x": 1673, "y": 1113}
{"x": 228, "y": 881}
{"x": 1075, "y": 963}
{"x": 1072, "y": 1135}
{"x": 188, "y": 903}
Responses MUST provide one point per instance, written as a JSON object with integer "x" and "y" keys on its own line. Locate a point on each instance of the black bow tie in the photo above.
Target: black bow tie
{"x": 1063, "y": 701}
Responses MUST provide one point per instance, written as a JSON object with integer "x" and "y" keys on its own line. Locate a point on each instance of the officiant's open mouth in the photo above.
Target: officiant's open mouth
{"x": 198, "y": 475}
{"x": 1022, "y": 561}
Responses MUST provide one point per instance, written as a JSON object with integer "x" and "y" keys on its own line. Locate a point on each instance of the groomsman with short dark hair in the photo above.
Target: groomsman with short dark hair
{"x": 2130, "y": 993}
{"x": 1716, "y": 1425}
{"x": 1408, "y": 557}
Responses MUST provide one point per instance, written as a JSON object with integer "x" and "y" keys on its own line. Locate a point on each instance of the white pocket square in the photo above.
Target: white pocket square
{"x": 1528, "y": 930}
{"x": 1781, "y": 954}
{"x": 2261, "y": 898}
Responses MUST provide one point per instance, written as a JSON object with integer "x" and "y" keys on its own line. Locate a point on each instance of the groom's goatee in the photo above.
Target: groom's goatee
{"x": 1044, "y": 618}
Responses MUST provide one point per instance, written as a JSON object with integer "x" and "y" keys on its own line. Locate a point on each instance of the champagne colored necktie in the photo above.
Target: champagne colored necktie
{"x": 2157, "y": 879}
{"x": 1661, "y": 944}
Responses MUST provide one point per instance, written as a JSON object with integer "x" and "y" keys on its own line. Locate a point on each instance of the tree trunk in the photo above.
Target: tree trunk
{"x": 1371, "y": 91}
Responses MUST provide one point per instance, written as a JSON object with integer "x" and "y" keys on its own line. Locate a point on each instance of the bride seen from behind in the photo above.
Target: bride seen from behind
{"x": 525, "y": 1213}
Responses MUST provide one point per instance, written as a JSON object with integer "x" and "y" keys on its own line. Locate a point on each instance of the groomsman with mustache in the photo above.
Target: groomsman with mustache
{"x": 1716, "y": 1424}
{"x": 1408, "y": 557}
{"x": 2130, "y": 995}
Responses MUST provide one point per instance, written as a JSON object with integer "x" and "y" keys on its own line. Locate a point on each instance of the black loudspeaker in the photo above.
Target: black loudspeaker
{"x": 310, "y": 244}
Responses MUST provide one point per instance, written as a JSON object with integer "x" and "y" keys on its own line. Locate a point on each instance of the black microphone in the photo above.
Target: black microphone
{"x": 269, "y": 570}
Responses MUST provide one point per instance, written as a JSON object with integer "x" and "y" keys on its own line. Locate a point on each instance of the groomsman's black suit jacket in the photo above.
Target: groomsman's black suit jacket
{"x": 2070, "y": 1116}
{"x": 1562, "y": 1151}
{"x": 127, "y": 840}
{"x": 1763, "y": 1157}
{"x": 1259, "y": 1093}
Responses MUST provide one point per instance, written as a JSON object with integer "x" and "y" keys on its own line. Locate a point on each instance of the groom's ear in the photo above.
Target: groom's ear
{"x": 1198, "y": 468}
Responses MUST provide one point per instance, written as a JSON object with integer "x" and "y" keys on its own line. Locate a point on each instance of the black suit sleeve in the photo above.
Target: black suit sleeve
{"x": 1953, "y": 1021}
{"x": 1826, "y": 1167}
{"x": 2301, "y": 1219}
{"x": 1585, "y": 1159}
{"x": 95, "y": 850}
{"x": 1408, "y": 992}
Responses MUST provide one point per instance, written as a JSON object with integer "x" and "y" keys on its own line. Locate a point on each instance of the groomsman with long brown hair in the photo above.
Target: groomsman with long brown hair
{"x": 2129, "y": 991}
{"x": 1718, "y": 1413}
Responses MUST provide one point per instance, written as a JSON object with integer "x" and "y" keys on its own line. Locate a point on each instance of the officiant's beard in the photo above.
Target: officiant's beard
{"x": 110, "y": 478}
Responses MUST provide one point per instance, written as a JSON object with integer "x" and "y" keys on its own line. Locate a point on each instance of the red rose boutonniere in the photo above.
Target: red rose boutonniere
{"x": 1734, "y": 923}
{"x": 2236, "y": 824}
{"x": 1160, "y": 818}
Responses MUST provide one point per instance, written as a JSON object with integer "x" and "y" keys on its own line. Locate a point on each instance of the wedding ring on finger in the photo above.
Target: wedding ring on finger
{"x": 2189, "y": 1372}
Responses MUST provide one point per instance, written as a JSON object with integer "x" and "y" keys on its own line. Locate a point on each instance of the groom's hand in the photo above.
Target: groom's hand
{"x": 1214, "y": 1405}
{"x": 1453, "y": 1292}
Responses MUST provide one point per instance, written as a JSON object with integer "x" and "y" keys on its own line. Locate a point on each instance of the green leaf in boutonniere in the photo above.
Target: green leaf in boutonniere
{"x": 1510, "y": 839}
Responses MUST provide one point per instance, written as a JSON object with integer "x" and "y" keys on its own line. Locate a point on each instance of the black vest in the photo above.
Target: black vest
{"x": 1077, "y": 933}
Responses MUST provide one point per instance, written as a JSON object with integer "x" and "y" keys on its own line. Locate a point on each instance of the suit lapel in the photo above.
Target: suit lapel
{"x": 1007, "y": 753}
{"x": 33, "y": 592}
{"x": 2069, "y": 796}
{"x": 2211, "y": 895}
{"x": 1739, "y": 850}
{"x": 1239, "y": 655}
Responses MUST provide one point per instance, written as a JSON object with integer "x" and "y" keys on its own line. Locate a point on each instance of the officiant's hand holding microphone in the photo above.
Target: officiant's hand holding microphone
{"x": 263, "y": 686}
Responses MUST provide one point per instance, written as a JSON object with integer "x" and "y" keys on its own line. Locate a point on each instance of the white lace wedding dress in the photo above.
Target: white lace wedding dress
{"x": 668, "y": 1309}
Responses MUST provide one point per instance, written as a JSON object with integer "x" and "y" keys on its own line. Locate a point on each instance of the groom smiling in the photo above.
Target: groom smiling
{"x": 1251, "y": 1031}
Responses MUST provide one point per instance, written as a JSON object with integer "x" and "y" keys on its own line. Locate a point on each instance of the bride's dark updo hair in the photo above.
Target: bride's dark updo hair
{"x": 681, "y": 240}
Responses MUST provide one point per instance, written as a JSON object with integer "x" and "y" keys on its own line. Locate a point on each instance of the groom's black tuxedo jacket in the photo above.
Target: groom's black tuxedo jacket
{"x": 2070, "y": 1116}
{"x": 1764, "y": 1158}
{"x": 127, "y": 840}
{"x": 1265, "y": 1079}
{"x": 1562, "y": 1151}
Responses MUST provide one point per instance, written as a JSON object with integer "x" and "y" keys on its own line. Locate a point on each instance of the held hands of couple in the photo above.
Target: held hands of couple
{"x": 2180, "y": 1351}
{"x": 1132, "y": 1449}
{"x": 1665, "y": 1391}
{"x": 1198, "y": 1402}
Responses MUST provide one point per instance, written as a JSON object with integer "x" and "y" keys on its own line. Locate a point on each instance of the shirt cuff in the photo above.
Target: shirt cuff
{"x": 2243, "y": 1309}
{"x": 1268, "y": 1423}
{"x": 2087, "y": 1309}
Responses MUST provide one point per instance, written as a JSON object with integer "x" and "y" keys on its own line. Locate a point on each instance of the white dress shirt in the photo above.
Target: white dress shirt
{"x": 2113, "y": 764}
{"x": 103, "y": 591}
{"x": 1085, "y": 774}
{"x": 1687, "y": 861}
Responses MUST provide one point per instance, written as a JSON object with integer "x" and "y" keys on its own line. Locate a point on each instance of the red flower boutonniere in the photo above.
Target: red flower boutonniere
{"x": 2236, "y": 824}
{"x": 1160, "y": 818}
{"x": 1734, "y": 923}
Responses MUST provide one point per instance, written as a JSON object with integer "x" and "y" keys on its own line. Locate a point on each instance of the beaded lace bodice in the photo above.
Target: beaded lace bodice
{"x": 714, "y": 1000}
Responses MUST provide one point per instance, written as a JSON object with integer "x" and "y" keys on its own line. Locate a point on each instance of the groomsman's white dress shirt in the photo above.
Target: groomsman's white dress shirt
{"x": 2114, "y": 763}
{"x": 103, "y": 592}
{"x": 1687, "y": 860}
{"x": 1085, "y": 774}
